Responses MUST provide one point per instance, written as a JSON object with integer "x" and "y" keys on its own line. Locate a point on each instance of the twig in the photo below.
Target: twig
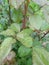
{"x": 44, "y": 35}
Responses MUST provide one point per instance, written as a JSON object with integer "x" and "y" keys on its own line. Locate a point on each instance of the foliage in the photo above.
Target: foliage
{"x": 24, "y": 32}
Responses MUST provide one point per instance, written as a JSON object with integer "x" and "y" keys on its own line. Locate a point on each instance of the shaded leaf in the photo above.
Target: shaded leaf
{"x": 23, "y": 51}
{"x": 29, "y": 61}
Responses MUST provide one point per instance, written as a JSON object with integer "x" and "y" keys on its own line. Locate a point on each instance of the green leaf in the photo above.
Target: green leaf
{"x": 23, "y": 51}
{"x": 37, "y": 42}
{"x": 24, "y": 38}
{"x": 6, "y": 47}
{"x": 16, "y": 3}
{"x": 40, "y": 56}
{"x": 35, "y": 22}
{"x": 26, "y": 41}
{"x": 40, "y": 2}
{"x": 26, "y": 32}
{"x": 15, "y": 27}
{"x": 29, "y": 61}
{"x": 47, "y": 47}
{"x": 46, "y": 12}
{"x": 45, "y": 26}
{"x": 16, "y": 15}
{"x": 8, "y": 32}
{"x": 1, "y": 27}
{"x": 34, "y": 6}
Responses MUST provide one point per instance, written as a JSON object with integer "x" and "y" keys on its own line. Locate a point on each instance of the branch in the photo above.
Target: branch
{"x": 44, "y": 35}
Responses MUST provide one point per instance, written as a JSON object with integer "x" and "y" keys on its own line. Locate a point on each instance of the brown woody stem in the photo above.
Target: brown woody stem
{"x": 44, "y": 35}
{"x": 25, "y": 12}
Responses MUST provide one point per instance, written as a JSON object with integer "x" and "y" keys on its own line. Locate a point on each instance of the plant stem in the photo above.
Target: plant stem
{"x": 25, "y": 12}
{"x": 9, "y": 14}
{"x": 44, "y": 35}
